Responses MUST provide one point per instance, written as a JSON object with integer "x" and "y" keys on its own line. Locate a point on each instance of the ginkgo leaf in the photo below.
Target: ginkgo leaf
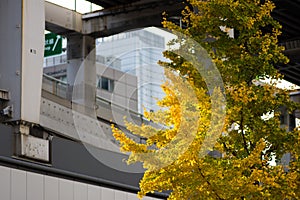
{"x": 238, "y": 165}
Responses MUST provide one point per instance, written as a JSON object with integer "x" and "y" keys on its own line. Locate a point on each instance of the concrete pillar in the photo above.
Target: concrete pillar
{"x": 81, "y": 72}
{"x": 22, "y": 25}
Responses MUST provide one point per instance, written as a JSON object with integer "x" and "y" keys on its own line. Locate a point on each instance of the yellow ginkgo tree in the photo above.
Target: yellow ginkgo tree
{"x": 219, "y": 134}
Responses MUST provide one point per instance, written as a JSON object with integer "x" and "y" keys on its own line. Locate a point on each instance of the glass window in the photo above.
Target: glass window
{"x": 106, "y": 84}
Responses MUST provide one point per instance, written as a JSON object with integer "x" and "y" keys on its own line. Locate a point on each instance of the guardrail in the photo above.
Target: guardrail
{"x": 61, "y": 89}
{"x": 55, "y": 60}
{"x": 55, "y": 86}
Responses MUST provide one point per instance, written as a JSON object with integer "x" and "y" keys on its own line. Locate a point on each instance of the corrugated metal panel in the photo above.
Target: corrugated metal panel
{"x": 120, "y": 195}
{"x": 51, "y": 188}
{"x": 18, "y": 184}
{"x": 35, "y": 186}
{"x": 5, "y": 182}
{"x": 94, "y": 192}
{"x": 80, "y": 191}
{"x": 132, "y": 197}
{"x": 66, "y": 189}
{"x": 107, "y": 194}
{"x": 21, "y": 185}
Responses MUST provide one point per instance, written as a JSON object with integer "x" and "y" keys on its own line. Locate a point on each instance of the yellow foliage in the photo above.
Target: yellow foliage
{"x": 175, "y": 155}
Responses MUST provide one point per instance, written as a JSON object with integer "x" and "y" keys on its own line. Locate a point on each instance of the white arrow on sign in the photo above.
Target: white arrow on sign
{"x": 56, "y": 41}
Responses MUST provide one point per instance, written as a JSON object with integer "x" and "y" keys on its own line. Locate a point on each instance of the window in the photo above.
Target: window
{"x": 105, "y": 84}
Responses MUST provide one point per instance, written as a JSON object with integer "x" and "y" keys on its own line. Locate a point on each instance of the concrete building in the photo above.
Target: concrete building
{"x": 112, "y": 85}
{"x": 138, "y": 53}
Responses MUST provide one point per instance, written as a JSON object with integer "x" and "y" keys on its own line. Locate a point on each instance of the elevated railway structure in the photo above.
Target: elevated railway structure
{"x": 123, "y": 15}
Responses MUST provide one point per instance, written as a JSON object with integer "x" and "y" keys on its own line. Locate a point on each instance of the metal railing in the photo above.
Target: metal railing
{"x": 55, "y": 86}
{"x": 55, "y": 60}
{"x": 61, "y": 89}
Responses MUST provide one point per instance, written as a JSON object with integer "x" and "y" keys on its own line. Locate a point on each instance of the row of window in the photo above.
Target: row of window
{"x": 102, "y": 82}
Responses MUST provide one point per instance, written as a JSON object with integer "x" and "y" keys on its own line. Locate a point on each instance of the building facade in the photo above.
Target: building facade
{"x": 137, "y": 52}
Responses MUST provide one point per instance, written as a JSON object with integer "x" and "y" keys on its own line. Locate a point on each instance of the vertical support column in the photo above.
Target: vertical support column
{"x": 81, "y": 72}
{"x": 22, "y": 25}
{"x": 33, "y": 41}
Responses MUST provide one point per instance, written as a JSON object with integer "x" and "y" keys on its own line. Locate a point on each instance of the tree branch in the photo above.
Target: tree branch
{"x": 229, "y": 150}
{"x": 209, "y": 184}
{"x": 243, "y": 135}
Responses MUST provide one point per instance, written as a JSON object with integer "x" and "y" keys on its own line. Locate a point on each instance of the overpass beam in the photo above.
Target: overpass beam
{"x": 81, "y": 72}
{"x": 62, "y": 20}
{"x": 139, "y": 15}
{"x": 110, "y": 21}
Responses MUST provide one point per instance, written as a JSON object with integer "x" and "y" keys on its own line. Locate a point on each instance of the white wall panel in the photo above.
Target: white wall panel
{"x": 132, "y": 196}
{"x": 94, "y": 192}
{"x": 18, "y": 184}
{"x": 21, "y": 185}
{"x": 5, "y": 182}
{"x": 120, "y": 195}
{"x": 107, "y": 194}
{"x": 150, "y": 198}
{"x": 66, "y": 189}
{"x": 80, "y": 191}
{"x": 35, "y": 186}
{"x": 51, "y": 188}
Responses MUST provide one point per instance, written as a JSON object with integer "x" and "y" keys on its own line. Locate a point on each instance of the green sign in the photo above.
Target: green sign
{"x": 53, "y": 44}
